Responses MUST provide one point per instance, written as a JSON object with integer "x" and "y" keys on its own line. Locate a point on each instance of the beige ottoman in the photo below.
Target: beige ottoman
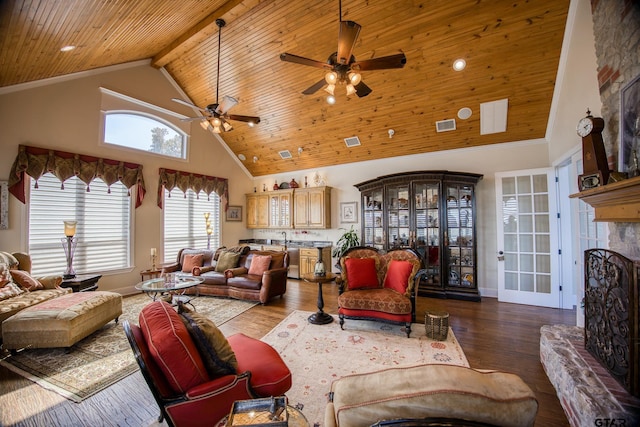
{"x": 61, "y": 321}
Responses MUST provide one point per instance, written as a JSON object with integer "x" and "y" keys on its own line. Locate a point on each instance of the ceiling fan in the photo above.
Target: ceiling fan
{"x": 343, "y": 67}
{"x": 216, "y": 114}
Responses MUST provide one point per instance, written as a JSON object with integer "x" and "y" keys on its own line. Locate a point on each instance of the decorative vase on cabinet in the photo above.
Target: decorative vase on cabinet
{"x": 432, "y": 212}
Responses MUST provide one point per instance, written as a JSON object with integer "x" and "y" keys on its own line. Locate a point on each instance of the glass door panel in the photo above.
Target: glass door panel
{"x": 372, "y": 217}
{"x": 397, "y": 205}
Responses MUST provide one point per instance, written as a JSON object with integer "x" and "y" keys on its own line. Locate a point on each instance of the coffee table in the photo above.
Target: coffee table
{"x": 161, "y": 287}
{"x": 319, "y": 317}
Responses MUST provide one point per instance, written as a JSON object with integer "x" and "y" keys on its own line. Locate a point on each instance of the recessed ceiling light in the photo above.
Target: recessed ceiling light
{"x": 67, "y": 48}
{"x": 242, "y": 157}
{"x": 459, "y": 64}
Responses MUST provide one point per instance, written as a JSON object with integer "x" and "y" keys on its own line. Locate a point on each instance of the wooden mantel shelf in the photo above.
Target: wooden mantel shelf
{"x": 617, "y": 202}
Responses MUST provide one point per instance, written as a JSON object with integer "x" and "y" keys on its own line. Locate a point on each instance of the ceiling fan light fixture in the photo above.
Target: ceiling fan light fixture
{"x": 351, "y": 90}
{"x": 216, "y": 129}
{"x": 331, "y": 99}
{"x": 227, "y": 126}
{"x": 226, "y": 104}
{"x": 204, "y": 124}
{"x": 331, "y": 77}
{"x": 251, "y": 124}
{"x": 354, "y": 78}
{"x": 330, "y": 89}
{"x": 216, "y": 122}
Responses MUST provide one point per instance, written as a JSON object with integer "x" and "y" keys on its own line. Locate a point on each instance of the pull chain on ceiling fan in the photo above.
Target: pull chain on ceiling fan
{"x": 216, "y": 114}
{"x": 342, "y": 65}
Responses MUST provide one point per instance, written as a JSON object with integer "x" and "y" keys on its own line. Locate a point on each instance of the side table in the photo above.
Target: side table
{"x": 319, "y": 317}
{"x": 150, "y": 274}
{"x": 82, "y": 282}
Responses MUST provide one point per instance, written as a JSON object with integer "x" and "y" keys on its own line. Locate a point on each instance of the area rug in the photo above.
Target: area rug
{"x": 104, "y": 357}
{"x": 319, "y": 354}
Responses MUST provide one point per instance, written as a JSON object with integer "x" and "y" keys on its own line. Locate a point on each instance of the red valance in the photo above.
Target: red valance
{"x": 170, "y": 179}
{"x": 35, "y": 162}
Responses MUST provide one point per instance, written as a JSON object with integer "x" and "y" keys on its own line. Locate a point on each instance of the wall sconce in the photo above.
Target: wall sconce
{"x": 69, "y": 246}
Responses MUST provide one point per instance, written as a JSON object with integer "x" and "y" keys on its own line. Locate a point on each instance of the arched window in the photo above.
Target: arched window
{"x": 144, "y": 132}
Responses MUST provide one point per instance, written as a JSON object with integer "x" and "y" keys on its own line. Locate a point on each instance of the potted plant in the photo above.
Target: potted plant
{"x": 349, "y": 239}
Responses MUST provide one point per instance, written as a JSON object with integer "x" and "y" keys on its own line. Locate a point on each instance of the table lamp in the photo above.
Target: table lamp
{"x": 69, "y": 244}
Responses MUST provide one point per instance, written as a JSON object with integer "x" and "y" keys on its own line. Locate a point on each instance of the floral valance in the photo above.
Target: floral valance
{"x": 170, "y": 179}
{"x": 35, "y": 162}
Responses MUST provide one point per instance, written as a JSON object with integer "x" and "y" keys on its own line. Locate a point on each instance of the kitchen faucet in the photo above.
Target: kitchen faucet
{"x": 284, "y": 233}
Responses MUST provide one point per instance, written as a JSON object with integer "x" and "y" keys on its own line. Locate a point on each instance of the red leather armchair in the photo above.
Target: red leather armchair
{"x": 186, "y": 394}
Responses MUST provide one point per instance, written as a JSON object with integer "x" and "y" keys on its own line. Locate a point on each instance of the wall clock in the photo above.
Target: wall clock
{"x": 594, "y": 156}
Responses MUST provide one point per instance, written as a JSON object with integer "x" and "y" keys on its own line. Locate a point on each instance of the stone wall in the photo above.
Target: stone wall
{"x": 616, "y": 27}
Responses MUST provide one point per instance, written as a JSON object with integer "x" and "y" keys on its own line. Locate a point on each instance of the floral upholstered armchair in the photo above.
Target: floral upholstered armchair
{"x": 378, "y": 286}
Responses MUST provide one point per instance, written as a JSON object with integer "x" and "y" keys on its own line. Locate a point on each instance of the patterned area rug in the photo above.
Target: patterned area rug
{"x": 319, "y": 354}
{"x": 104, "y": 357}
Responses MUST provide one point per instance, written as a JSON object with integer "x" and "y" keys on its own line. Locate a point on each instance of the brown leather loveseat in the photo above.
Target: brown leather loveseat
{"x": 236, "y": 272}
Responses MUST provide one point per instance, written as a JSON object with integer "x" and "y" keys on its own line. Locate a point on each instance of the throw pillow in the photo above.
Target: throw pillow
{"x": 217, "y": 355}
{"x": 259, "y": 264}
{"x": 226, "y": 261}
{"x": 362, "y": 273}
{"x": 191, "y": 260}
{"x": 25, "y": 281}
{"x": 9, "y": 290}
{"x": 398, "y": 274}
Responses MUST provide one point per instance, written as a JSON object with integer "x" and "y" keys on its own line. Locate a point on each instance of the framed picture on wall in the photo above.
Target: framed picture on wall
{"x": 629, "y": 127}
{"x": 4, "y": 205}
{"x": 234, "y": 213}
{"x": 349, "y": 212}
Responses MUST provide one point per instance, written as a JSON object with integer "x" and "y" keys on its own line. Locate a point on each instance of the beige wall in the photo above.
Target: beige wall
{"x": 66, "y": 116}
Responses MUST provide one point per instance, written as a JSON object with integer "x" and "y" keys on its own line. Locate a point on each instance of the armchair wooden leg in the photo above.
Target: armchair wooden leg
{"x": 341, "y": 316}
{"x": 407, "y": 328}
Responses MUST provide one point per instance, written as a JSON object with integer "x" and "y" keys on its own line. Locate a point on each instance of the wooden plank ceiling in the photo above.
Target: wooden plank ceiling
{"x": 512, "y": 49}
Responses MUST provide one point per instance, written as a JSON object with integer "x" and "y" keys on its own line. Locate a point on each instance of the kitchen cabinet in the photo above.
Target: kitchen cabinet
{"x": 434, "y": 213}
{"x": 280, "y": 209}
{"x": 312, "y": 207}
{"x": 257, "y": 210}
{"x": 309, "y": 257}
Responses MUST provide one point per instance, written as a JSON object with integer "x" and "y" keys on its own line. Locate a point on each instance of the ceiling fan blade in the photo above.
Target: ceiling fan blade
{"x": 192, "y": 119}
{"x": 248, "y": 119}
{"x": 187, "y": 103}
{"x": 382, "y": 63}
{"x": 288, "y": 57}
{"x": 362, "y": 89}
{"x": 347, "y": 37}
{"x": 314, "y": 87}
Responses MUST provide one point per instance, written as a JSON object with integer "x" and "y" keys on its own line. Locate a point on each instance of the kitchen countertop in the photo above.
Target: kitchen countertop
{"x": 288, "y": 243}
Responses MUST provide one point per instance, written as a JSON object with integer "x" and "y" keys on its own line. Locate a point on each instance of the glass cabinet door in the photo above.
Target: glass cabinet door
{"x": 372, "y": 219}
{"x": 427, "y": 228}
{"x": 398, "y": 229}
{"x": 460, "y": 256}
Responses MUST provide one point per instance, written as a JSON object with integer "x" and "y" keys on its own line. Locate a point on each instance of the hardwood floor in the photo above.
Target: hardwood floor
{"x": 493, "y": 335}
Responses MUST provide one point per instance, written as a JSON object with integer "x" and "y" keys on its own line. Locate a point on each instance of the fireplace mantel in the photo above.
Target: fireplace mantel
{"x": 616, "y": 202}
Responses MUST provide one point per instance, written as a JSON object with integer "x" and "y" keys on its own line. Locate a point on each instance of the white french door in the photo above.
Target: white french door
{"x": 527, "y": 231}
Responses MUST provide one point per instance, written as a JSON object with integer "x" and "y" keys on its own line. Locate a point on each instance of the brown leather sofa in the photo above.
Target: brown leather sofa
{"x": 235, "y": 282}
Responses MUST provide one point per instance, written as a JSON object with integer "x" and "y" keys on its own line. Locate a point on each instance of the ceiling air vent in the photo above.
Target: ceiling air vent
{"x": 285, "y": 154}
{"x": 352, "y": 141}
{"x": 446, "y": 125}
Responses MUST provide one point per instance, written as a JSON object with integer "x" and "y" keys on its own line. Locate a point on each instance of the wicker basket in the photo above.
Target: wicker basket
{"x": 436, "y": 325}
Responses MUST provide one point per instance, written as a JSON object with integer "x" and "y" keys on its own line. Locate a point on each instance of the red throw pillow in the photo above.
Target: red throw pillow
{"x": 190, "y": 261}
{"x": 259, "y": 264}
{"x": 398, "y": 274}
{"x": 171, "y": 346}
{"x": 361, "y": 273}
{"x": 25, "y": 281}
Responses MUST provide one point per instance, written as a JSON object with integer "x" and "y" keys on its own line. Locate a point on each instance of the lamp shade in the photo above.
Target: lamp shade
{"x": 70, "y": 228}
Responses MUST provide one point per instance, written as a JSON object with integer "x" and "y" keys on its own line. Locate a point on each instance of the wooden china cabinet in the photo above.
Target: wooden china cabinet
{"x": 434, "y": 213}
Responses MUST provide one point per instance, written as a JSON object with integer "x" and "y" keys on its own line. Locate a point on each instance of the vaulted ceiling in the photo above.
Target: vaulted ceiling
{"x": 512, "y": 49}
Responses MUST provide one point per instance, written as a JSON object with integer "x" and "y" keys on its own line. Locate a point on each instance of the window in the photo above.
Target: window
{"x": 134, "y": 130}
{"x": 103, "y": 230}
{"x": 132, "y": 123}
{"x": 184, "y": 222}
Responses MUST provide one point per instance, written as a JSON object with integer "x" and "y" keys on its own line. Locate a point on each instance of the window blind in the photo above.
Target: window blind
{"x": 184, "y": 222}
{"x": 103, "y": 230}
